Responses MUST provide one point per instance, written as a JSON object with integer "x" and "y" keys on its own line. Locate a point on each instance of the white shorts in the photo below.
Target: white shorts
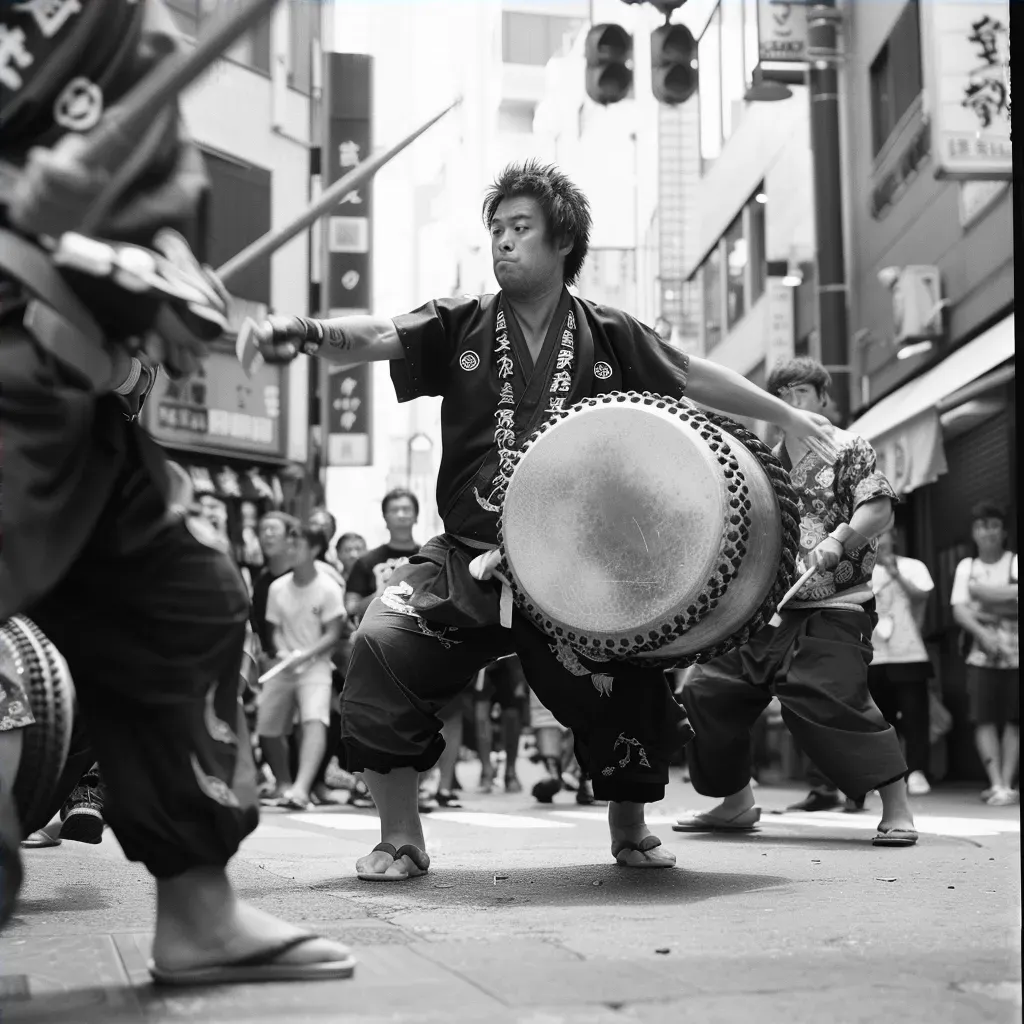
{"x": 309, "y": 691}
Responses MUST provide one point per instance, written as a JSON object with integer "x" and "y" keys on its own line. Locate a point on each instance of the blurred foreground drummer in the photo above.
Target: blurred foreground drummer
{"x": 148, "y": 611}
{"x": 503, "y": 365}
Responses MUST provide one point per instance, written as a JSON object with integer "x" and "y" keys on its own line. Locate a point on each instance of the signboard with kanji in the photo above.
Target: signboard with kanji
{"x": 781, "y": 31}
{"x": 348, "y": 244}
{"x": 969, "y": 78}
{"x": 220, "y": 408}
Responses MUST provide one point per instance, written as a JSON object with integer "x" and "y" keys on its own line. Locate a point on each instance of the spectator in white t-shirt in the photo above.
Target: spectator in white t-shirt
{"x": 306, "y": 610}
{"x": 984, "y": 601}
{"x": 899, "y": 671}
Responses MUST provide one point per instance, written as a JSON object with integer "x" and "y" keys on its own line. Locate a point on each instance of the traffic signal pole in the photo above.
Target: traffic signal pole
{"x": 823, "y": 86}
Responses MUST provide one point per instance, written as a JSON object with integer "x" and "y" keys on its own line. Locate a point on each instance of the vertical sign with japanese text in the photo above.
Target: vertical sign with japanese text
{"x": 969, "y": 48}
{"x": 347, "y": 141}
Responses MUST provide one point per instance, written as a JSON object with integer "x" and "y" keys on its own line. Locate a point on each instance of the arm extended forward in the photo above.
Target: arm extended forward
{"x": 343, "y": 341}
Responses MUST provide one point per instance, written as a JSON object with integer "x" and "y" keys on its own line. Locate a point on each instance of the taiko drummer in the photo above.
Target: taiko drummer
{"x": 503, "y": 364}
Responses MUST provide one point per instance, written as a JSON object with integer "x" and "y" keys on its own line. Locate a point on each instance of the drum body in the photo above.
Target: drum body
{"x": 31, "y": 661}
{"x": 640, "y": 528}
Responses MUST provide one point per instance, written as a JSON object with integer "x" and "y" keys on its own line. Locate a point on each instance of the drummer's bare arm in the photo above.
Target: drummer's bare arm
{"x": 729, "y": 392}
{"x": 344, "y": 341}
{"x": 869, "y": 519}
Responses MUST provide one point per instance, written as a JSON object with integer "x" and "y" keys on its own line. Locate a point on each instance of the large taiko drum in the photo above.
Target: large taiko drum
{"x": 31, "y": 662}
{"x": 641, "y": 528}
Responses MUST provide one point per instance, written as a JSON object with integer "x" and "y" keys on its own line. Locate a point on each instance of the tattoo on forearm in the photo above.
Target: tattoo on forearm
{"x": 337, "y": 338}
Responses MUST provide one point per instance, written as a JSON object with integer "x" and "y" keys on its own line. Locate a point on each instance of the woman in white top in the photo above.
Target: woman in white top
{"x": 984, "y": 601}
{"x": 899, "y": 671}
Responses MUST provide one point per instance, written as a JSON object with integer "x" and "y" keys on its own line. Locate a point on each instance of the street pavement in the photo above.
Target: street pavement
{"x": 524, "y": 918}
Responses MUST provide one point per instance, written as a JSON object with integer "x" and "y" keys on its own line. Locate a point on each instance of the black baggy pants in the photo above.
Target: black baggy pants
{"x": 150, "y": 619}
{"x": 825, "y": 702}
{"x": 404, "y": 671}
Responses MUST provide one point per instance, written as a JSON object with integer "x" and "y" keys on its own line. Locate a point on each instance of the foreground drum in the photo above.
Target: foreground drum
{"x": 30, "y": 660}
{"x": 639, "y": 528}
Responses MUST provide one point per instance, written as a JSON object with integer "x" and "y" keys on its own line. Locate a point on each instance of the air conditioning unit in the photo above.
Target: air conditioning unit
{"x": 917, "y": 303}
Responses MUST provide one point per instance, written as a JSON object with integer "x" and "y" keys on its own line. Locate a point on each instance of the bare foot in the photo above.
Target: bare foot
{"x": 381, "y": 863}
{"x": 633, "y": 843}
{"x": 207, "y": 926}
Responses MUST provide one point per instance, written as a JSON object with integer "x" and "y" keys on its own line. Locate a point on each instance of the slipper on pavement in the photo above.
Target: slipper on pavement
{"x": 895, "y": 837}
{"x": 419, "y": 860}
{"x": 39, "y": 840}
{"x": 621, "y": 849}
{"x": 265, "y": 966}
{"x": 705, "y": 821}
{"x": 294, "y": 803}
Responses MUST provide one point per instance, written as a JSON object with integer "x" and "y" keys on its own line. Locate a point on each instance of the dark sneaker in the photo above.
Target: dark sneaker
{"x": 447, "y": 798}
{"x": 545, "y": 790}
{"x": 82, "y": 816}
{"x": 585, "y": 794}
{"x": 815, "y": 801}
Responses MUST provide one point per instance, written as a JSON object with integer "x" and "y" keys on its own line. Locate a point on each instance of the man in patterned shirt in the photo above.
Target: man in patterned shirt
{"x": 816, "y": 660}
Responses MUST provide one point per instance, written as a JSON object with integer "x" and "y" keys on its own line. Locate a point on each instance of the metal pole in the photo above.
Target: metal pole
{"x": 823, "y": 81}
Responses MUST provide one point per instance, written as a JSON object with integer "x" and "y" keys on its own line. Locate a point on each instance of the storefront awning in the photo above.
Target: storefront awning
{"x": 924, "y": 393}
{"x": 904, "y": 427}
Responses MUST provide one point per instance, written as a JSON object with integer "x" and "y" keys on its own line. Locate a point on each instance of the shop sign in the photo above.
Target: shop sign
{"x": 220, "y": 407}
{"x": 348, "y": 238}
{"x": 782, "y": 31}
{"x": 969, "y": 45}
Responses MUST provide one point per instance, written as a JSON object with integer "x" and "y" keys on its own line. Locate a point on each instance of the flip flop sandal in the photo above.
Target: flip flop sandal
{"x": 895, "y": 837}
{"x": 39, "y": 840}
{"x": 646, "y": 844}
{"x": 420, "y": 862}
{"x": 704, "y": 822}
{"x": 294, "y": 804}
{"x": 446, "y": 798}
{"x": 264, "y": 966}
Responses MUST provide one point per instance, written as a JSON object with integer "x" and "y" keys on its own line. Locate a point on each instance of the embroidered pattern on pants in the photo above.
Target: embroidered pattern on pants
{"x": 629, "y": 742}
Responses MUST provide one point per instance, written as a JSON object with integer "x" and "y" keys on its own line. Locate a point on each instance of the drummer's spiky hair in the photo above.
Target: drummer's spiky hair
{"x": 566, "y": 208}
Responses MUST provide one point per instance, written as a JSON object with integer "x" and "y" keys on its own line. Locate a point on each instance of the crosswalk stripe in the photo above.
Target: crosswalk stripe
{"x": 346, "y": 822}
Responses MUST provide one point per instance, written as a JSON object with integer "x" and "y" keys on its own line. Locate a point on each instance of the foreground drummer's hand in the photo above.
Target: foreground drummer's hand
{"x": 55, "y": 190}
{"x": 827, "y": 554}
{"x": 485, "y": 566}
{"x": 814, "y": 430}
{"x": 281, "y": 338}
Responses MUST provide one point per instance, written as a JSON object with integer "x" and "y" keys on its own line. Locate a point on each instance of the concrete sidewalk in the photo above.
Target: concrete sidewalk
{"x": 525, "y": 919}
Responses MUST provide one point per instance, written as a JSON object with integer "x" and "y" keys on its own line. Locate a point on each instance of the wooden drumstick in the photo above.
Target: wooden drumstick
{"x": 791, "y": 593}
{"x": 280, "y": 668}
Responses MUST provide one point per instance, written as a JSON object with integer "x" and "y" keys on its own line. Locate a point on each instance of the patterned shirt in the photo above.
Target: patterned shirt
{"x": 828, "y": 496}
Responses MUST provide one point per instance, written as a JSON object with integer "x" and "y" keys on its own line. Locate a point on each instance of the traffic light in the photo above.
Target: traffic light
{"x": 609, "y": 50}
{"x": 673, "y": 64}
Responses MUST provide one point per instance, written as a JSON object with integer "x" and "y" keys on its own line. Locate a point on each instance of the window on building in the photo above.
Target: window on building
{"x": 737, "y": 257}
{"x": 732, "y": 277}
{"x": 712, "y": 280}
{"x": 896, "y": 79}
{"x": 516, "y": 116}
{"x": 709, "y": 85}
{"x": 727, "y": 55}
{"x": 733, "y": 84}
{"x": 253, "y": 49}
{"x": 534, "y": 38}
{"x": 237, "y": 213}
{"x": 303, "y": 33}
{"x": 758, "y": 247}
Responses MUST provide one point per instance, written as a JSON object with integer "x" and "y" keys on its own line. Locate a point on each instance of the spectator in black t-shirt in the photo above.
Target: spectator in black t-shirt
{"x": 370, "y": 574}
{"x": 368, "y": 579}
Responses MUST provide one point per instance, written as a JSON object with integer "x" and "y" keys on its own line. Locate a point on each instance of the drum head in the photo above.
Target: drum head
{"x": 27, "y": 657}
{"x": 614, "y": 523}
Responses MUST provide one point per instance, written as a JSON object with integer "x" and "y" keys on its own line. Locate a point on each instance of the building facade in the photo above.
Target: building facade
{"x": 926, "y": 97}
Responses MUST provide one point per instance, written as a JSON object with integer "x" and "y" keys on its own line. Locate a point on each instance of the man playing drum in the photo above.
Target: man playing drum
{"x": 141, "y": 601}
{"x": 816, "y": 660}
{"x": 504, "y": 364}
